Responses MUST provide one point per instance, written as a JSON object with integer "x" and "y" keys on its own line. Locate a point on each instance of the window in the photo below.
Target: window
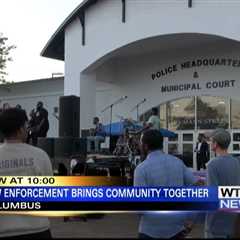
{"x": 212, "y": 112}
{"x": 187, "y": 137}
{"x": 163, "y": 116}
{"x": 181, "y": 114}
{"x": 235, "y": 114}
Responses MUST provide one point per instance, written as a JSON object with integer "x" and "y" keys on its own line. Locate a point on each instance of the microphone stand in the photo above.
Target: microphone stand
{"x": 137, "y": 107}
{"x": 111, "y": 115}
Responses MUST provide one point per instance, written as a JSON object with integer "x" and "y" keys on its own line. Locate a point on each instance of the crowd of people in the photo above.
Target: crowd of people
{"x": 157, "y": 169}
{"x": 160, "y": 169}
{"x": 37, "y": 122}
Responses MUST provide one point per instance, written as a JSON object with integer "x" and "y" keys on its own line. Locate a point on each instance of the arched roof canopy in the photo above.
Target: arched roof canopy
{"x": 55, "y": 46}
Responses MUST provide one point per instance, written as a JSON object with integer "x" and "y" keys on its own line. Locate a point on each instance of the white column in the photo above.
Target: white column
{"x": 87, "y": 100}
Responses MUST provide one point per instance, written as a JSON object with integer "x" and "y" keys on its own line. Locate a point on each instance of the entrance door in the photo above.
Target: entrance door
{"x": 187, "y": 148}
{"x": 182, "y": 146}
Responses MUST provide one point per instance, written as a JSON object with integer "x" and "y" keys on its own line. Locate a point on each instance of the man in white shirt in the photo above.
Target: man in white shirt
{"x": 20, "y": 159}
{"x": 154, "y": 120}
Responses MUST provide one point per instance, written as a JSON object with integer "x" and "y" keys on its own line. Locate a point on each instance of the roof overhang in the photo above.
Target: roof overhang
{"x": 55, "y": 46}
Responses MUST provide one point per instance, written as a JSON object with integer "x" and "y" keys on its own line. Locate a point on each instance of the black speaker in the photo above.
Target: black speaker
{"x": 63, "y": 147}
{"x": 47, "y": 145}
{"x": 69, "y": 116}
{"x": 79, "y": 146}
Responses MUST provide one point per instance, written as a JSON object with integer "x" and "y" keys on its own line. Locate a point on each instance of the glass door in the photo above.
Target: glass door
{"x": 182, "y": 146}
{"x": 173, "y": 145}
{"x": 187, "y": 148}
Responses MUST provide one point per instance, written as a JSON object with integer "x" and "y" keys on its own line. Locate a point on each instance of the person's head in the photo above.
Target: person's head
{"x": 155, "y": 111}
{"x": 39, "y": 105}
{"x": 13, "y": 124}
{"x": 200, "y": 137}
{"x": 18, "y": 106}
{"x": 95, "y": 120}
{"x": 204, "y": 138}
{"x": 221, "y": 140}
{"x": 151, "y": 140}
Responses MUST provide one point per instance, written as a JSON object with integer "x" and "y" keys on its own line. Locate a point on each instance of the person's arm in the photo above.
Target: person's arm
{"x": 41, "y": 124}
{"x": 188, "y": 178}
{"x": 150, "y": 122}
{"x": 208, "y": 151}
{"x": 196, "y": 148}
{"x": 44, "y": 114}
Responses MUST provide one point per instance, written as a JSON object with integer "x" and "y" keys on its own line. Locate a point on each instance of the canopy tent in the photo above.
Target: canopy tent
{"x": 117, "y": 129}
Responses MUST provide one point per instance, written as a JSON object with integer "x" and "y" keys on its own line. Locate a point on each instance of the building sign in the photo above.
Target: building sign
{"x": 181, "y": 123}
{"x": 206, "y": 62}
{"x": 209, "y": 121}
{"x": 196, "y": 86}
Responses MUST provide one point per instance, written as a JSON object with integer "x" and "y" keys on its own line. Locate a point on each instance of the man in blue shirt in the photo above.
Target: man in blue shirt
{"x": 161, "y": 169}
{"x": 224, "y": 170}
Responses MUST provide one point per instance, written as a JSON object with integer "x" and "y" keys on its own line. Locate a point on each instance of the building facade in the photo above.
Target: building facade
{"x": 181, "y": 56}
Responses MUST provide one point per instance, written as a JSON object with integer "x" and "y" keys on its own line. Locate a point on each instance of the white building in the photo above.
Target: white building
{"x": 28, "y": 93}
{"x": 183, "y": 56}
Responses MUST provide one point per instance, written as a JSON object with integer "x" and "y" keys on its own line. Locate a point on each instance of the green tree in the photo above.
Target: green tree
{"x": 5, "y": 50}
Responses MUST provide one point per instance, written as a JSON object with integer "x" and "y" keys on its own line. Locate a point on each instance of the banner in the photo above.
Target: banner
{"x": 40, "y": 194}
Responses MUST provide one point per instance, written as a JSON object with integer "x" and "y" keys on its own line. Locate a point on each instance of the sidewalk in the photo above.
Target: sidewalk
{"x": 111, "y": 226}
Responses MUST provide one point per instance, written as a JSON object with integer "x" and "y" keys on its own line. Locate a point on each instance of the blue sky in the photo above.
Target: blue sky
{"x": 29, "y": 24}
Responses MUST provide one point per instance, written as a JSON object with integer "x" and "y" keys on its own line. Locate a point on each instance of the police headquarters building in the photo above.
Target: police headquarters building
{"x": 181, "y": 56}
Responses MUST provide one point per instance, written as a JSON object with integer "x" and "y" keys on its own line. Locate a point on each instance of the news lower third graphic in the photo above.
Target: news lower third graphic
{"x": 105, "y": 194}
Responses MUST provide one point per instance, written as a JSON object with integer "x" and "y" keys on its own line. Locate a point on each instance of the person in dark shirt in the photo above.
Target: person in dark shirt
{"x": 203, "y": 152}
{"x": 39, "y": 123}
{"x": 31, "y": 128}
{"x": 41, "y": 118}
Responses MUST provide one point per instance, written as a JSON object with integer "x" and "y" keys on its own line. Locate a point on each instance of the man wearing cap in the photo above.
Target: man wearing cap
{"x": 223, "y": 170}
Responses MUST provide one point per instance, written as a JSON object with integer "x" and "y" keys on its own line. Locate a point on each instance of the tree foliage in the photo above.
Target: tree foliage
{"x": 5, "y": 50}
